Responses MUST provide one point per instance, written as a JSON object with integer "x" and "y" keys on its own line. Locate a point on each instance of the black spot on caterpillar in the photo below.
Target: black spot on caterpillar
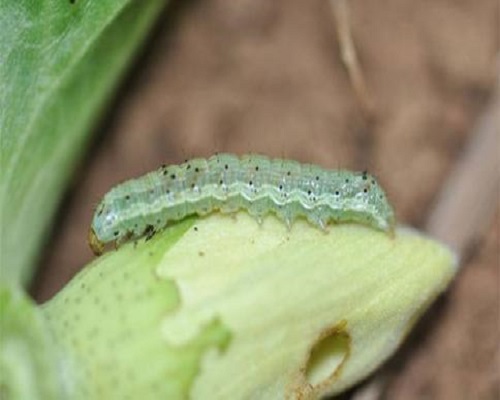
{"x": 227, "y": 183}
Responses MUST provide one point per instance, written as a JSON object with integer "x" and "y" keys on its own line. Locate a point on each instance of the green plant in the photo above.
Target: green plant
{"x": 225, "y": 308}
{"x": 59, "y": 62}
{"x": 215, "y": 307}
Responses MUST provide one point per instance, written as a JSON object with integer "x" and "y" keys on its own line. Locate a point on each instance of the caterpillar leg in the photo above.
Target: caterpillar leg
{"x": 258, "y": 217}
{"x": 229, "y": 209}
{"x": 285, "y": 214}
{"x": 317, "y": 218}
{"x": 123, "y": 239}
{"x": 149, "y": 232}
{"x": 257, "y": 211}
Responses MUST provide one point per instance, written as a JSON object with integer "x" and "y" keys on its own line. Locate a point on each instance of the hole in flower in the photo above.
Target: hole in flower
{"x": 328, "y": 355}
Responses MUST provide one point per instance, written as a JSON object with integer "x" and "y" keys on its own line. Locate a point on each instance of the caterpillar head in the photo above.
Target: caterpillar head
{"x": 104, "y": 228}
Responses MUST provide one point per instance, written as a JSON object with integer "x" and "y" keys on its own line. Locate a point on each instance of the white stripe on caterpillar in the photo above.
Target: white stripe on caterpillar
{"x": 227, "y": 183}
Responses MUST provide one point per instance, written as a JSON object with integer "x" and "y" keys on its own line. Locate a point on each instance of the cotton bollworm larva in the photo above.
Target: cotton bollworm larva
{"x": 228, "y": 183}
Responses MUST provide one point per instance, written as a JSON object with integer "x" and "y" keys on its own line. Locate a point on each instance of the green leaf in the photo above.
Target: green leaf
{"x": 223, "y": 308}
{"x": 59, "y": 61}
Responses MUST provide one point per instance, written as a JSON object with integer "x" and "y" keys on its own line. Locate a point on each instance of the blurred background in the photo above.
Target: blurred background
{"x": 395, "y": 87}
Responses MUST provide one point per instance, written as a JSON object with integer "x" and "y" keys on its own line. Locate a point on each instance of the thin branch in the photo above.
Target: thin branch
{"x": 340, "y": 9}
{"x": 469, "y": 197}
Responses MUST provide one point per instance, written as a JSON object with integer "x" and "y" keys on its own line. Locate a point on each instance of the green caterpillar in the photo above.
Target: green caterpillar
{"x": 228, "y": 183}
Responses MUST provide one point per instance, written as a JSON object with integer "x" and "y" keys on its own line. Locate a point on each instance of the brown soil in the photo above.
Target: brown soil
{"x": 267, "y": 76}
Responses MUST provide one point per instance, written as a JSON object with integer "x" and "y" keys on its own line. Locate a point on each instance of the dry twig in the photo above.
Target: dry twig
{"x": 340, "y": 9}
{"x": 470, "y": 195}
